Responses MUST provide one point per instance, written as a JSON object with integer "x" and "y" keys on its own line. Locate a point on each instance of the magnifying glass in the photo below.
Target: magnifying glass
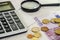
{"x": 33, "y": 5}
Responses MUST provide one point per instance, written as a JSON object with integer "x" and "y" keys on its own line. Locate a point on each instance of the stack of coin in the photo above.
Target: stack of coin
{"x": 36, "y": 35}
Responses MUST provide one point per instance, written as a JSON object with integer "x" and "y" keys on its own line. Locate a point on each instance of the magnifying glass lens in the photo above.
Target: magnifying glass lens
{"x": 30, "y": 5}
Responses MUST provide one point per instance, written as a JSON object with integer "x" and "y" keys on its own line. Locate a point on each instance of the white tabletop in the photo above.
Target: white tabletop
{"x": 44, "y": 11}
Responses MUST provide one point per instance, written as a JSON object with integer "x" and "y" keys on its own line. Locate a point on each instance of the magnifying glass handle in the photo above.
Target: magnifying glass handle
{"x": 56, "y": 4}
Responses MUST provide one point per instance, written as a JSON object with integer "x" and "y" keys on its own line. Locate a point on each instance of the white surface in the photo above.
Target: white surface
{"x": 29, "y": 20}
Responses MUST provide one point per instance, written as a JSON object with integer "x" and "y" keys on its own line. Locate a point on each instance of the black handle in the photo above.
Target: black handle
{"x": 56, "y": 4}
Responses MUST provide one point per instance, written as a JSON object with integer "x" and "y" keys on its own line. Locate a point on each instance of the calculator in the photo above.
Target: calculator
{"x": 10, "y": 23}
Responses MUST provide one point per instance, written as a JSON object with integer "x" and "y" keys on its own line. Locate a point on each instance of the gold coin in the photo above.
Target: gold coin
{"x": 59, "y": 24}
{"x": 34, "y": 38}
{"x": 29, "y": 36}
{"x": 35, "y": 29}
{"x": 37, "y": 35}
{"x": 53, "y": 20}
{"x": 45, "y": 21}
{"x": 57, "y": 20}
{"x": 45, "y": 29}
{"x": 57, "y": 31}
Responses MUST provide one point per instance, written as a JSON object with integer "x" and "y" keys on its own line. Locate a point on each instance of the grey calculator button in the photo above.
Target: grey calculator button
{"x": 1, "y": 16}
{"x": 17, "y": 20}
{"x": 13, "y": 13}
{"x": 20, "y": 25}
{"x": 0, "y": 13}
{"x": 9, "y": 18}
{"x": 1, "y": 27}
{"x": 15, "y": 17}
{"x": 8, "y": 29}
{"x": 1, "y": 31}
{"x": 6, "y": 26}
{"x": 14, "y": 27}
{"x": 3, "y": 19}
{"x": 11, "y": 21}
{"x": 7, "y": 15}
{"x": 4, "y": 22}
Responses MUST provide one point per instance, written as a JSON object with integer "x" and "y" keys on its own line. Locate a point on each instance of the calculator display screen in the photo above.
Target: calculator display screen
{"x": 5, "y": 6}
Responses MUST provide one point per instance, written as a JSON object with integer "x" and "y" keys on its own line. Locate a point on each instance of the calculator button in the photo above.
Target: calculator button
{"x": 6, "y": 13}
{"x": 8, "y": 29}
{"x": 13, "y": 13}
{"x": 6, "y": 26}
{"x": 20, "y": 25}
{"x": 17, "y": 20}
{"x": 14, "y": 27}
{"x": 11, "y": 21}
{"x": 1, "y": 31}
{"x": 1, "y": 16}
{"x": 0, "y": 13}
{"x": 8, "y": 16}
{"x": 15, "y": 17}
{"x": 4, "y": 23}
{"x": 0, "y": 27}
{"x": 2, "y": 19}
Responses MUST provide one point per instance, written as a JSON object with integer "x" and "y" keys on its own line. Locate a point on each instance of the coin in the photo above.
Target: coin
{"x": 45, "y": 21}
{"x": 53, "y": 20}
{"x": 34, "y": 38}
{"x": 29, "y": 36}
{"x": 59, "y": 24}
{"x": 45, "y": 29}
{"x": 57, "y": 31}
{"x": 37, "y": 35}
{"x": 57, "y": 20}
{"x": 35, "y": 29}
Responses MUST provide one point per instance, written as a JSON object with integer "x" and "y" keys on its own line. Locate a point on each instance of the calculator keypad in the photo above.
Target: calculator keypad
{"x": 4, "y": 23}
{"x": 10, "y": 22}
{"x": 1, "y": 29}
{"x": 17, "y": 20}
